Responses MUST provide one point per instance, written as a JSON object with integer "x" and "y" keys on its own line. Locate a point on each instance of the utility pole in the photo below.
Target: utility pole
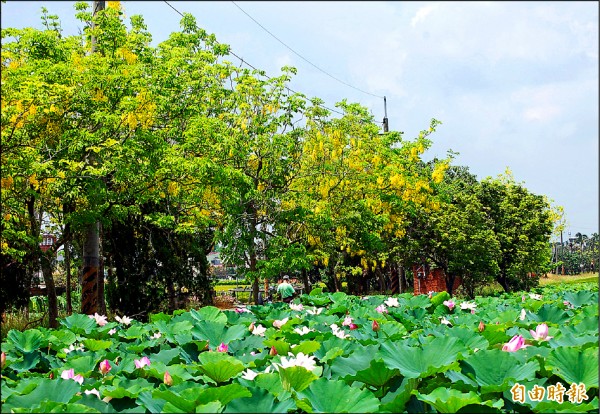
{"x": 385, "y": 118}
{"x": 91, "y": 245}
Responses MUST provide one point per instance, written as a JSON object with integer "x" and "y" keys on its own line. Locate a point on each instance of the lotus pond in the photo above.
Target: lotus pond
{"x": 521, "y": 352}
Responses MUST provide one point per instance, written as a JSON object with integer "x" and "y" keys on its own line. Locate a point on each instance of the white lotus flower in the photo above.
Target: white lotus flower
{"x": 93, "y": 391}
{"x": 392, "y": 302}
{"x": 249, "y": 375}
{"x": 535, "y": 296}
{"x": 314, "y": 312}
{"x": 259, "y": 330}
{"x": 468, "y": 305}
{"x": 112, "y": 331}
{"x": 303, "y": 330}
{"x": 279, "y": 323}
{"x": 446, "y": 321}
{"x": 156, "y": 335}
{"x": 522, "y": 315}
{"x": 347, "y": 321}
{"x": 295, "y": 307}
{"x": 300, "y": 360}
{"x": 124, "y": 320}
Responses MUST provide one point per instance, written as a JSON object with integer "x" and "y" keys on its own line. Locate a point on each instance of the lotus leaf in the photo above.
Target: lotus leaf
{"x": 574, "y": 365}
{"x": 318, "y": 397}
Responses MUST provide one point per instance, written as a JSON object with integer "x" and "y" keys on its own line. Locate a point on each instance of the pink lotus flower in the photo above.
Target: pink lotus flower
{"x": 222, "y": 348}
{"x": 105, "y": 367}
{"x": 541, "y": 333}
{"x": 481, "y": 326}
{"x": 295, "y": 307}
{"x": 568, "y": 304}
{"x": 167, "y": 379}
{"x": 381, "y": 309}
{"x": 279, "y": 323}
{"x": 2, "y": 360}
{"x": 70, "y": 374}
{"x": 517, "y": 342}
{"x": 347, "y": 321}
{"x": 353, "y": 326}
{"x": 375, "y": 326}
{"x": 450, "y": 304}
{"x": 100, "y": 319}
{"x": 140, "y": 363}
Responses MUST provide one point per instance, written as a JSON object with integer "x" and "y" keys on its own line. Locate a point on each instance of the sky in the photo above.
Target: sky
{"x": 515, "y": 84}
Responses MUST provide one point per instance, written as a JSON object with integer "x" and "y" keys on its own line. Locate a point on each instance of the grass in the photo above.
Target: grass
{"x": 554, "y": 279}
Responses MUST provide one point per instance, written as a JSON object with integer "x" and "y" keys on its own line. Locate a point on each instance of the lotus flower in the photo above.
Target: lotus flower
{"x": 279, "y": 323}
{"x": 522, "y": 298}
{"x": 338, "y": 332}
{"x": 93, "y": 391}
{"x": 445, "y": 321}
{"x": 124, "y": 320}
{"x": 347, "y": 321}
{"x": 156, "y": 335}
{"x": 450, "y": 304}
{"x": 167, "y": 379}
{"x": 259, "y": 330}
{"x": 541, "y": 333}
{"x": 535, "y": 296}
{"x": 523, "y": 315}
{"x": 481, "y": 326}
{"x": 112, "y": 331}
{"x": 100, "y": 319}
{"x": 381, "y": 309}
{"x": 2, "y": 360}
{"x": 249, "y": 375}
{"x": 353, "y": 326}
{"x": 273, "y": 351}
{"x": 295, "y": 307}
{"x": 430, "y": 294}
{"x": 568, "y": 304}
{"x": 375, "y": 326}
{"x": 140, "y": 363}
{"x": 392, "y": 302}
{"x": 70, "y": 374}
{"x": 517, "y": 342}
{"x": 222, "y": 348}
{"x": 300, "y": 360}
{"x": 468, "y": 305}
{"x": 73, "y": 347}
{"x": 105, "y": 367}
{"x": 303, "y": 330}
{"x": 314, "y": 312}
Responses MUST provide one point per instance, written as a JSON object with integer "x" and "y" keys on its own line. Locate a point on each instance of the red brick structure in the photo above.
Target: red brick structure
{"x": 431, "y": 280}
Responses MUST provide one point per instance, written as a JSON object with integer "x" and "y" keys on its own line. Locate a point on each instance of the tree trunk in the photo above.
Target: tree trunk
{"x": 89, "y": 288}
{"x": 68, "y": 269}
{"x": 502, "y": 281}
{"x": 402, "y": 279}
{"x": 305, "y": 281}
{"x": 101, "y": 301}
{"x": 382, "y": 284}
{"x": 47, "y": 268}
{"x": 449, "y": 282}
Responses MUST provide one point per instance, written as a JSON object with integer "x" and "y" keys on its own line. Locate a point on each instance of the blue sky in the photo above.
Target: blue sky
{"x": 515, "y": 84}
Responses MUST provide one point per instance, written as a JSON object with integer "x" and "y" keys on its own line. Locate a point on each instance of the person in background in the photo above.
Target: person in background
{"x": 286, "y": 290}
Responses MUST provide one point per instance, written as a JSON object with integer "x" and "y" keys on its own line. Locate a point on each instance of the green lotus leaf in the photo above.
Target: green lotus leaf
{"x": 83, "y": 364}
{"x": 60, "y": 339}
{"x": 282, "y": 347}
{"x": 174, "y": 402}
{"x": 377, "y": 374}
{"x": 335, "y": 396}
{"x": 448, "y": 400}
{"x": 297, "y": 378}
{"x": 575, "y": 365}
{"x": 581, "y": 298}
{"x": 27, "y": 341}
{"x": 391, "y": 330}
{"x": 26, "y": 362}
{"x": 358, "y": 360}
{"x": 470, "y": 338}
{"x": 567, "y": 407}
{"x": 338, "y": 308}
{"x": 211, "y": 407}
{"x": 219, "y": 366}
{"x": 96, "y": 345}
{"x": 415, "y": 362}
{"x": 338, "y": 296}
{"x": 60, "y": 391}
{"x": 395, "y": 400}
{"x": 331, "y": 355}
{"x": 419, "y": 301}
{"x": 550, "y": 314}
{"x": 495, "y": 334}
{"x": 155, "y": 317}
{"x": 306, "y": 347}
{"x": 79, "y": 323}
{"x": 272, "y": 383}
{"x": 457, "y": 376}
{"x": 582, "y": 325}
{"x": 316, "y": 292}
{"x": 261, "y": 401}
{"x": 335, "y": 342}
{"x": 577, "y": 341}
{"x": 56, "y": 407}
{"x": 217, "y": 332}
{"x": 122, "y": 387}
{"x": 492, "y": 369}
{"x": 439, "y": 298}
{"x": 209, "y": 314}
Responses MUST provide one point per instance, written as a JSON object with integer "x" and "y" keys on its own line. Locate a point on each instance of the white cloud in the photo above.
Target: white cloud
{"x": 422, "y": 13}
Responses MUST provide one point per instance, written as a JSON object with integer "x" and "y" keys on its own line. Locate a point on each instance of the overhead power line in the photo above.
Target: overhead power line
{"x": 267, "y": 76}
{"x": 302, "y": 57}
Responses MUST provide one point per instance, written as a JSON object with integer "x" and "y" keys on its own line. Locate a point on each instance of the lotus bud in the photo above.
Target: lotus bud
{"x": 51, "y": 376}
{"x": 251, "y": 327}
{"x": 167, "y": 379}
{"x": 273, "y": 351}
{"x": 105, "y": 367}
{"x": 206, "y": 347}
{"x": 481, "y": 326}
{"x": 2, "y": 360}
{"x": 353, "y": 326}
{"x": 222, "y": 348}
{"x": 375, "y": 326}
